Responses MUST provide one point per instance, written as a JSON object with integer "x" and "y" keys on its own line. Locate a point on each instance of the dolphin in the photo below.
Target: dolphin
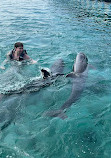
{"x": 8, "y": 111}
{"x": 48, "y": 77}
{"x": 78, "y": 76}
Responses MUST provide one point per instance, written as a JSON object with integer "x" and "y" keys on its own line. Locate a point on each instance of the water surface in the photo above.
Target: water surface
{"x": 53, "y": 29}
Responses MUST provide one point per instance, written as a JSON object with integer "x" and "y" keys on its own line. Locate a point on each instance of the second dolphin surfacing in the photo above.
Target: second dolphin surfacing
{"x": 79, "y": 76}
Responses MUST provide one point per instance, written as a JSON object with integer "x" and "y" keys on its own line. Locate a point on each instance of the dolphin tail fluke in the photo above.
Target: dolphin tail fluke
{"x": 56, "y": 113}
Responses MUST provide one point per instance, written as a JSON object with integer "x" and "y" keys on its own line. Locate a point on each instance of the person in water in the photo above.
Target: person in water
{"x": 18, "y": 54}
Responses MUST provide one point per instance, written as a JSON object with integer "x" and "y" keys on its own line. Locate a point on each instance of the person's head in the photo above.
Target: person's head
{"x": 18, "y": 47}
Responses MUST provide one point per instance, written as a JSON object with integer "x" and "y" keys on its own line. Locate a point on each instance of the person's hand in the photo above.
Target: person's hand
{"x": 2, "y": 67}
{"x": 33, "y": 62}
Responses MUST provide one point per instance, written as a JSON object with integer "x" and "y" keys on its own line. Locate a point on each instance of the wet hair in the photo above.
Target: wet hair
{"x": 18, "y": 44}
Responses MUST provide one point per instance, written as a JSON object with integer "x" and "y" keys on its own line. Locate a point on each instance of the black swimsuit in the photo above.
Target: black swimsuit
{"x": 21, "y": 57}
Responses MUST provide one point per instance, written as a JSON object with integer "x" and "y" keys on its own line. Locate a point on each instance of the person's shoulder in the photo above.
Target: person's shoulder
{"x": 24, "y": 51}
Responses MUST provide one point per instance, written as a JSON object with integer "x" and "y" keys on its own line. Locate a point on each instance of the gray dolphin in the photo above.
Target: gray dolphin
{"x": 79, "y": 76}
{"x": 48, "y": 77}
{"x": 8, "y": 112}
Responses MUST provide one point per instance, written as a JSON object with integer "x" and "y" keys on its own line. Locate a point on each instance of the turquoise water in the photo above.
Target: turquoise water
{"x": 53, "y": 29}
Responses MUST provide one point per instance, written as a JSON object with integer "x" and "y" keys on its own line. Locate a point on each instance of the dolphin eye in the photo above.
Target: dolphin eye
{"x": 84, "y": 57}
{"x": 87, "y": 60}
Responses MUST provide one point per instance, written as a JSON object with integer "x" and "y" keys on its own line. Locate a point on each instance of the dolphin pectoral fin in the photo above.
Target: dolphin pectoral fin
{"x": 62, "y": 116}
{"x": 56, "y": 113}
{"x": 91, "y": 66}
{"x": 6, "y": 125}
{"x": 72, "y": 75}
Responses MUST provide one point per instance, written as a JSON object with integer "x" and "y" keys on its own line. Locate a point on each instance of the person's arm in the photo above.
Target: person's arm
{"x": 2, "y": 66}
{"x": 26, "y": 57}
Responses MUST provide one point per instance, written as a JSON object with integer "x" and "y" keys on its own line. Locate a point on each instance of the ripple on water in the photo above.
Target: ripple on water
{"x": 52, "y": 29}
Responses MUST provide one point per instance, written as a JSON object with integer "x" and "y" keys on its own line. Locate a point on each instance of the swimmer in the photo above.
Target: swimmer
{"x": 18, "y": 54}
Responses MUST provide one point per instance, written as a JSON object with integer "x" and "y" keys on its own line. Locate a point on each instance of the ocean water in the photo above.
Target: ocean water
{"x": 50, "y": 30}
